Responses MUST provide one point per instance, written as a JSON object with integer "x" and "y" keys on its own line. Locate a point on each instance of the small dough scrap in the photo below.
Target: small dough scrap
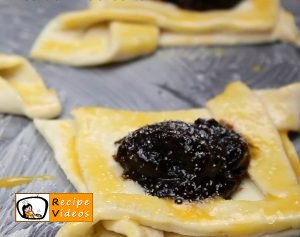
{"x": 23, "y": 92}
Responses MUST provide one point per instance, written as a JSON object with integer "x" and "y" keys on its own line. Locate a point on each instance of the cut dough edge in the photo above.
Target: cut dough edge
{"x": 112, "y": 34}
{"x": 49, "y": 129}
{"x": 23, "y": 92}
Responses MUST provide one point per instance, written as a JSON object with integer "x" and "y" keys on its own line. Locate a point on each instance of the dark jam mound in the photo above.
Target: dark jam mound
{"x": 185, "y": 161}
{"x": 205, "y": 5}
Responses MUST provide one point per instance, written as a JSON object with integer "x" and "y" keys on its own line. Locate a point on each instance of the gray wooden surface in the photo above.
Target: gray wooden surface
{"x": 169, "y": 79}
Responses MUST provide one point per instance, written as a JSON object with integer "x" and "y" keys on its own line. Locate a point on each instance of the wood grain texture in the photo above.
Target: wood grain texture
{"x": 169, "y": 79}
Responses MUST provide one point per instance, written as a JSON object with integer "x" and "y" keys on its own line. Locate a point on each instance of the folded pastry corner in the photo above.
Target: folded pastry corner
{"x": 118, "y": 30}
{"x": 288, "y": 30}
{"x": 60, "y": 135}
{"x": 283, "y": 103}
{"x": 269, "y": 155}
{"x": 266, "y": 203}
{"x": 99, "y": 43}
{"x": 23, "y": 91}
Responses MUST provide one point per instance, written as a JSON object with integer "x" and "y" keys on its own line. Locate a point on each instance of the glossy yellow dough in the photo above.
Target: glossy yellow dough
{"x": 267, "y": 204}
{"x": 22, "y": 90}
{"x": 118, "y": 30}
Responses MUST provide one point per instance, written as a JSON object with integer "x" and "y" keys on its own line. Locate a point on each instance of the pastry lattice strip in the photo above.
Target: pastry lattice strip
{"x": 23, "y": 92}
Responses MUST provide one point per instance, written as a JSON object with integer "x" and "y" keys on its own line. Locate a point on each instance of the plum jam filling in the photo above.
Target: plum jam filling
{"x": 185, "y": 161}
{"x": 205, "y": 5}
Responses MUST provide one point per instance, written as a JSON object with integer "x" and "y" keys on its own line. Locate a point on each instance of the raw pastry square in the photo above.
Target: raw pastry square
{"x": 118, "y": 30}
{"x": 268, "y": 202}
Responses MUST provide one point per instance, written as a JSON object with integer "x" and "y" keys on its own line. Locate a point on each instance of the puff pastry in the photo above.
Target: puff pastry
{"x": 118, "y": 30}
{"x": 23, "y": 92}
{"x": 268, "y": 203}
